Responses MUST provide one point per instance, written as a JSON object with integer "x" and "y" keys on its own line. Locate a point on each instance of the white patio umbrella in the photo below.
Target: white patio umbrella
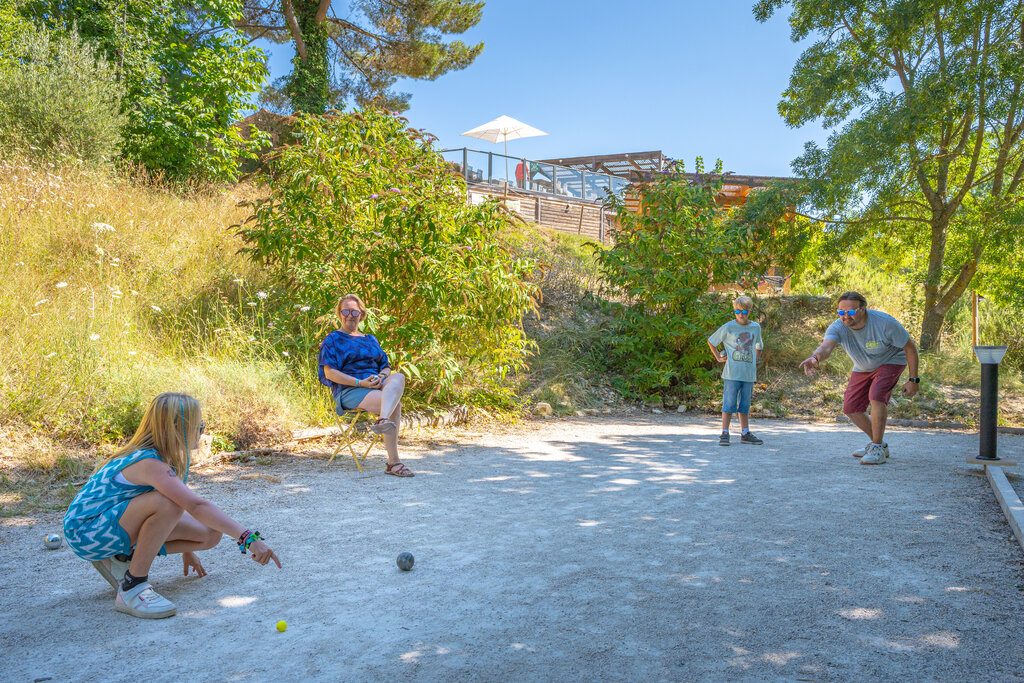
{"x": 503, "y": 129}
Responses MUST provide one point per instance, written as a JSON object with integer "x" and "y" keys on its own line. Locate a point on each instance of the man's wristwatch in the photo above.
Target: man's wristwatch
{"x": 915, "y": 380}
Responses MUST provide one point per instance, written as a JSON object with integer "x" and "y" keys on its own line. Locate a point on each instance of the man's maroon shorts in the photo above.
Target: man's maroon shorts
{"x": 865, "y": 387}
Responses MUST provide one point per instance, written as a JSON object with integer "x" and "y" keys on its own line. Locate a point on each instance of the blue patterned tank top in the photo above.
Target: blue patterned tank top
{"x": 91, "y": 525}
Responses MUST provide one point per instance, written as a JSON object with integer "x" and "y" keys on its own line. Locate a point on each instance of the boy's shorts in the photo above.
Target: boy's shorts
{"x": 736, "y": 396}
{"x": 865, "y": 387}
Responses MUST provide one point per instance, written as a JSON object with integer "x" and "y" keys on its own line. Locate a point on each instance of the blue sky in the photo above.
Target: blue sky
{"x": 602, "y": 77}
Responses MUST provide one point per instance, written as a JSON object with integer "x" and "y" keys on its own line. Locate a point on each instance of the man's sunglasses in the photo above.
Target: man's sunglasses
{"x": 347, "y": 312}
{"x": 852, "y": 313}
{"x": 740, "y": 312}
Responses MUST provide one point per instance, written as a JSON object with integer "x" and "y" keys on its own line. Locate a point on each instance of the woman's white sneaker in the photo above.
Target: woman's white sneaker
{"x": 144, "y": 602}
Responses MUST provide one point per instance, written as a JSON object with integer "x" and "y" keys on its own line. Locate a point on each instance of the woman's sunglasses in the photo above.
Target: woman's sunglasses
{"x": 349, "y": 312}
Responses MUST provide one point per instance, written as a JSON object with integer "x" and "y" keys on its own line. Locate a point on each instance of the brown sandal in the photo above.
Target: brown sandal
{"x": 399, "y": 470}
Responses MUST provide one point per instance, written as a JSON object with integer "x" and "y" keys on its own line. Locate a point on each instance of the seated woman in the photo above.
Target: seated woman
{"x": 359, "y": 375}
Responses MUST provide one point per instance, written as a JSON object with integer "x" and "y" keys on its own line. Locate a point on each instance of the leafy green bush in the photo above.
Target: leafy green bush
{"x": 187, "y": 75}
{"x": 58, "y": 97}
{"x": 666, "y": 258}
{"x": 365, "y": 205}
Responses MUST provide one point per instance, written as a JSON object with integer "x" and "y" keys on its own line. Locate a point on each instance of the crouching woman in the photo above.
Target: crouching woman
{"x": 137, "y": 505}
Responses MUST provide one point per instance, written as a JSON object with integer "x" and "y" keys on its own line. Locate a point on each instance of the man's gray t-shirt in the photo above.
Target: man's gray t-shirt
{"x": 741, "y": 344}
{"x": 880, "y": 342}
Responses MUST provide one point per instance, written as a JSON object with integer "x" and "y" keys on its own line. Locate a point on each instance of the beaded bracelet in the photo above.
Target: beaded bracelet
{"x": 249, "y": 539}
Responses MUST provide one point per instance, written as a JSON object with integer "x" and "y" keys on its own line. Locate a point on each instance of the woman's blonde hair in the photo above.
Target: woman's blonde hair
{"x": 744, "y": 301}
{"x": 170, "y": 427}
{"x": 359, "y": 305}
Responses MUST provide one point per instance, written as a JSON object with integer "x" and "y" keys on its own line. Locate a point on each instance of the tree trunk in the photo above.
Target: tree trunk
{"x": 308, "y": 86}
{"x": 931, "y": 328}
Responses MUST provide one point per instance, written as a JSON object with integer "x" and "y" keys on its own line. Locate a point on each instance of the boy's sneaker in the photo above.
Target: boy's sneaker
{"x": 859, "y": 453}
{"x": 144, "y": 602}
{"x": 723, "y": 440}
{"x": 875, "y": 455}
{"x": 751, "y": 439}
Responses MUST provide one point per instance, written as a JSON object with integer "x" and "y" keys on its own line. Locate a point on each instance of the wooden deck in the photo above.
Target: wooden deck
{"x": 565, "y": 214}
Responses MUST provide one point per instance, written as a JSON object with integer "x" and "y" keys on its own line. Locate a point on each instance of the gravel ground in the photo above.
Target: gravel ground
{"x": 569, "y": 550}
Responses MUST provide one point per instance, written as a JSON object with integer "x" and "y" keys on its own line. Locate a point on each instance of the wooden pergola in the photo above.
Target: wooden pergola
{"x": 621, "y": 165}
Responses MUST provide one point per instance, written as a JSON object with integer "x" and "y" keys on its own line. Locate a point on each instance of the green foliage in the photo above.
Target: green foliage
{"x": 187, "y": 75}
{"x": 13, "y": 29}
{"x": 666, "y": 258}
{"x": 925, "y": 164}
{"x": 365, "y": 205}
{"x": 57, "y": 97}
{"x": 359, "y": 53}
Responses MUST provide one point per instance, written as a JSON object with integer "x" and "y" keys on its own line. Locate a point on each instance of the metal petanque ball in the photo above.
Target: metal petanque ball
{"x": 405, "y": 561}
{"x": 52, "y": 541}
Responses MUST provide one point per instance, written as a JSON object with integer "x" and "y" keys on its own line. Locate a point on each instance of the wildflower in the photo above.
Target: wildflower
{"x": 133, "y": 291}
{"x": 261, "y": 295}
{"x": 103, "y": 227}
{"x": 304, "y": 309}
{"x": 100, "y": 251}
{"x": 41, "y": 302}
{"x": 132, "y": 353}
{"x": 251, "y": 303}
{"x": 395, "y": 190}
{"x": 156, "y": 308}
{"x": 61, "y": 285}
{"x": 94, "y": 337}
{"x": 238, "y": 281}
{"x": 270, "y": 325}
{"x": 374, "y": 196}
{"x": 50, "y": 355}
{"x": 286, "y": 354}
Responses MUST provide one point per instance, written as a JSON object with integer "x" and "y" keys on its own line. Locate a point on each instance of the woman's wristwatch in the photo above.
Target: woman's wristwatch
{"x": 915, "y": 380}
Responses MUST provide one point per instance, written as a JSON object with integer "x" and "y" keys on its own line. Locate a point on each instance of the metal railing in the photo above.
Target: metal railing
{"x": 490, "y": 168}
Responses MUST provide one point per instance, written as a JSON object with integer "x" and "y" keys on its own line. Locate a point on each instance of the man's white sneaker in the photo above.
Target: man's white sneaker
{"x": 144, "y": 602}
{"x": 875, "y": 455}
{"x": 860, "y": 452}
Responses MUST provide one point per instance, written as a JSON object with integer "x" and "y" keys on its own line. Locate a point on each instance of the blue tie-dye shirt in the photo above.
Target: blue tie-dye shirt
{"x": 360, "y": 357}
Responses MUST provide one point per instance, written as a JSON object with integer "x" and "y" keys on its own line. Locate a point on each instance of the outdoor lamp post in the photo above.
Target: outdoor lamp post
{"x": 989, "y": 357}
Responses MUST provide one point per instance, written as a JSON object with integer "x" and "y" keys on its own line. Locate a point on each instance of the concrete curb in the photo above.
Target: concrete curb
{"x": 1008, "y": 501}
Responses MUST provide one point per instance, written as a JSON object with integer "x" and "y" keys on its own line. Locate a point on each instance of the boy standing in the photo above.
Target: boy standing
{"x": 741, "y": 339}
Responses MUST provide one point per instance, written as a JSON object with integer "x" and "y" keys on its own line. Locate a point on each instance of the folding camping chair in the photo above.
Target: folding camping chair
{"x": 349, "y": 436}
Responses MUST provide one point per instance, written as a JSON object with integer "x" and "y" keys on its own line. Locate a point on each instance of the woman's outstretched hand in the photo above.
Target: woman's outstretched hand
{"x": 262, "y": 553}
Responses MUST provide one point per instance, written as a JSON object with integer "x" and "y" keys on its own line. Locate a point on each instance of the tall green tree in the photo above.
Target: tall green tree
{"x": 926, "y": 159}
{"x": 357, "y": 50}
{"x": 187, "y": 74}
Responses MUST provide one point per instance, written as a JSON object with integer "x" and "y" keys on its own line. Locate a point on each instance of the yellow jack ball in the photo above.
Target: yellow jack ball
{"x": 282, "y": 625}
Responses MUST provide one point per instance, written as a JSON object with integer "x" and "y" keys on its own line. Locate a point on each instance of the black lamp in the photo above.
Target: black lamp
{"x": 989, "y": 357}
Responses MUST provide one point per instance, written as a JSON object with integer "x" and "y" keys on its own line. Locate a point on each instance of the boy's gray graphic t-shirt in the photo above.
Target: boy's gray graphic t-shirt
{"x": 741, "y": 343}
{"x": 880, "y": 342}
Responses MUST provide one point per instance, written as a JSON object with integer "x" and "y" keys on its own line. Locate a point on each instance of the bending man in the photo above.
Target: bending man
{"x": 881, "y": 348}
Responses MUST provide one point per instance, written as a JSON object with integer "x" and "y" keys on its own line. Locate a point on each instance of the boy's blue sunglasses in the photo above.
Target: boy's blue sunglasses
{"x": 738, "y": 311}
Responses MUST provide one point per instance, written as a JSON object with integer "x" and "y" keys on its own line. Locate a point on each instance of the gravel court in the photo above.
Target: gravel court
{"x": 611, "y": 549}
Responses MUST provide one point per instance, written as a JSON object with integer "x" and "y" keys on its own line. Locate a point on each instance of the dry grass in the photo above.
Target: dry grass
{"x": 115, "y": 290}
